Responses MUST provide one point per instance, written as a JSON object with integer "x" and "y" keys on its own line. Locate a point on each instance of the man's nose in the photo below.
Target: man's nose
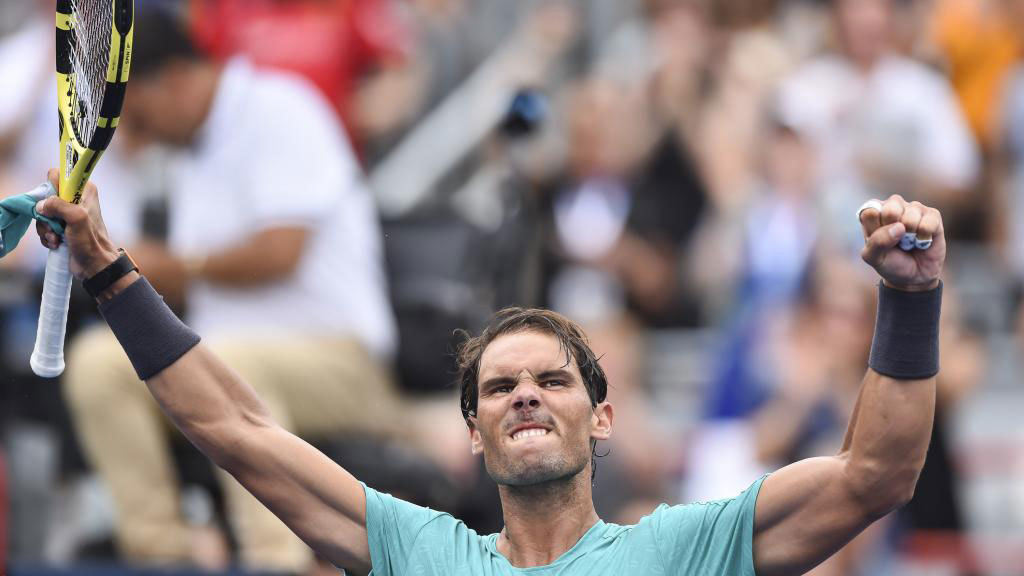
{"x": 526, "y": 396}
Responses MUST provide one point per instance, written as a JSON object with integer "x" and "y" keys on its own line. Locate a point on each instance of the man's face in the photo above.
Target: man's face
{"x": 534, "y": 420}
{"x": 159, "y": 107}
{"x": 865, "y": 27}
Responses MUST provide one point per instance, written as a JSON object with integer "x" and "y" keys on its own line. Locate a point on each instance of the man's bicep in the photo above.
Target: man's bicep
{"x": 805, "y": 512}
{"x": 319, "y": 500}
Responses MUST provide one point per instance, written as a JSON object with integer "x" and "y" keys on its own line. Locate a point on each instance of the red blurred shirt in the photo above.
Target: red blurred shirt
{"x": 331, "y": 42}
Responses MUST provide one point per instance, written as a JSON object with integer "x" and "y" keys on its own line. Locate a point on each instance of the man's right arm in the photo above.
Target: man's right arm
{"x": 222, "y": 415}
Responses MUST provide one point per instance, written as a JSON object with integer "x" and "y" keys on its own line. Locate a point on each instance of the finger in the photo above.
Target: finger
{"x": 47, "y": 236}
{"x": 870, "y": 216}
{"x": 892, "y": 209}
{"x": 930, "y": 226}
{"x": 56, "y": 207}
{"x": 883, "y": 239}
{"x": 89, "y": 193}
{"x": 912, "y": 215}
{"x": 54, "y": 177}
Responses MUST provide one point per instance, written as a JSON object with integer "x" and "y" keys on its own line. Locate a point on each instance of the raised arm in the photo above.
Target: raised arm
{"x": 221, "y": 414}
{"x": 807, "y": 511}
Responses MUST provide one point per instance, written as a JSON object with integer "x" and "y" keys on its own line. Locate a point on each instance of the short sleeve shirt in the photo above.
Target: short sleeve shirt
{"x": 706, "y": 539}
{"x": 271, "y": 154}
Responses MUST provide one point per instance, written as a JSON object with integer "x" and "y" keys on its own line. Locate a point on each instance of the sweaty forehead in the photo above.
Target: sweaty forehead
{"x": 509, "y": 355}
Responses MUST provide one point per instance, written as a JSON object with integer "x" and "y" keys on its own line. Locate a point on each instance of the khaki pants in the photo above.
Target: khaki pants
{"x": 313, "y": 387}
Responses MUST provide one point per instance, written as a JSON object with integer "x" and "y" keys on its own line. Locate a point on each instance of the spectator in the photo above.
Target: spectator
{"x": 743, "y": 76}
{"x": 361, "y": 46}
{"x": 882, "y": 123}
{"x": 627, "y": 202}
{"x": 274, "y": 248}
{"x": 757, "y": 263}
{"x": 977, "y": 42}
{"x": 755, "y": 251}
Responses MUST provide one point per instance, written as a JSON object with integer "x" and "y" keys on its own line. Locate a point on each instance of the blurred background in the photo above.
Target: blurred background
{"x": 679, "y": 176}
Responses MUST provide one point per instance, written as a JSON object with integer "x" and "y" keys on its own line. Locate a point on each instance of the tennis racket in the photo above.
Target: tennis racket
{"x": 94, "y": 53}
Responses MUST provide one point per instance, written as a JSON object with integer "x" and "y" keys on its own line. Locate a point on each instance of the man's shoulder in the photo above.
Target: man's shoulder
{"x": 414, "y": 522}
{"x": 271, "y": 94}
{"x": 407, "y": 538}
{"x": 280, "y": 119}
{"x": 912, "y": 81}
{"x": 282, "y": 89}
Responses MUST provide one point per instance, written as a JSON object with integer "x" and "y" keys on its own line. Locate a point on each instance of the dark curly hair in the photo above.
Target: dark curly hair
{"x": 513, "y": 320}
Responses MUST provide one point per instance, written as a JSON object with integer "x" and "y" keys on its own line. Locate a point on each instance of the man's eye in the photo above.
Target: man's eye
{"x": 504, "y": 388}
{"x": 552, "y": 383}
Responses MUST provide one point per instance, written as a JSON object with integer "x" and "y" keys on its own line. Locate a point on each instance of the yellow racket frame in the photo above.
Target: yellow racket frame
{"x": 77, "y": 161}
{"x": 77, "y": 158}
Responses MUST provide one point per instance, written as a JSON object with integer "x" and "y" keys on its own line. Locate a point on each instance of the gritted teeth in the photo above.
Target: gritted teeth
{"x": 529, "y": 433}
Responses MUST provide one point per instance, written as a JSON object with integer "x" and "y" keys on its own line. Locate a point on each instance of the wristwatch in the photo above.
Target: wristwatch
{"x": 96, "y": 284}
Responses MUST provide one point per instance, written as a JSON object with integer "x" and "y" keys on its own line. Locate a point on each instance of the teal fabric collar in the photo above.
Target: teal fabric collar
{"x": 17, "y": 213}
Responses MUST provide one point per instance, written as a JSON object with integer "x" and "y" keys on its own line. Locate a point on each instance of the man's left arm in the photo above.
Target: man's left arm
{"x": 807, "y": 511}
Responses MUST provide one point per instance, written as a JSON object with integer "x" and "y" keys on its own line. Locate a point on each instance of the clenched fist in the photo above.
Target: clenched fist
{"x": 91, "y": 248}
{"x": 885, "y": 224}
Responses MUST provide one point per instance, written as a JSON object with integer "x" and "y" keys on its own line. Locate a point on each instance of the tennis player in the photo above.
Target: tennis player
{"x": 534, "y": 400}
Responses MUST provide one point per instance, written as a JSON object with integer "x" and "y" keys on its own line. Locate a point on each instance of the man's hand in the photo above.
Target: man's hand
{"x": 906, "y": 270}
{"x": 86, "y": 235}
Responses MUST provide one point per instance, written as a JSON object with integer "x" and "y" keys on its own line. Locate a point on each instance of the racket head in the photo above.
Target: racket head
{"x": 94, "y": 48}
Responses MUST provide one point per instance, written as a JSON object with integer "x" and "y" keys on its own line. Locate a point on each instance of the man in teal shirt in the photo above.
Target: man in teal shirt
{"x": 408, "y": 539}
{"x": 533, "y": 396}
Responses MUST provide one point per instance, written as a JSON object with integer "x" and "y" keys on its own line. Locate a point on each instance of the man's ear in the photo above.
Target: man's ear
{"x": 601, "y": 421}
{"x": 476, "y": 443}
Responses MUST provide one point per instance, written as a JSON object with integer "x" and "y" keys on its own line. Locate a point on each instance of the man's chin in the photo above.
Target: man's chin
{"x": 533, "y": 472}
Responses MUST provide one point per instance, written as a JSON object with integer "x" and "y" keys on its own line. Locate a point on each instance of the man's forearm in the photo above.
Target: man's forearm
{"x": 891, "y": 427}
{"x": 267, "y": 256}
{"x": 888, "y": 439}
{"x": 209, "y": 403}
{"x": 203, "y": 397}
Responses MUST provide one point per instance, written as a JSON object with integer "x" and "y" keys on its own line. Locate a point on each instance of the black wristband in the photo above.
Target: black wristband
{"x": 97, "y": 283}
{"x": 151, "y": 335}
{"x": 906, "y": 342}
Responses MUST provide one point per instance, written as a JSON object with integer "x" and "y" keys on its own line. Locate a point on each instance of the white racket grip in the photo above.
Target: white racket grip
{"x": 48, "y": 356}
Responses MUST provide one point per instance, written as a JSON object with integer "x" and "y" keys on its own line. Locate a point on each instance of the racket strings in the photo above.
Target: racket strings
{"x": 90, "y": 56}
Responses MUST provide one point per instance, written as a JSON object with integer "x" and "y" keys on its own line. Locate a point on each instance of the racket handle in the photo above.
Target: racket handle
{"x": 48, "y": 356}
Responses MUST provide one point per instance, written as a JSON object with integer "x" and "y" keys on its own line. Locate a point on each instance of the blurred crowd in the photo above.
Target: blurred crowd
{"x": 327, "y": 190}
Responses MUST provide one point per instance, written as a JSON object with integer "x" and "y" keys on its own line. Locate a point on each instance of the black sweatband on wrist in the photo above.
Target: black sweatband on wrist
{"x": 151, "y": 335}
{"x": 906, "y": 342}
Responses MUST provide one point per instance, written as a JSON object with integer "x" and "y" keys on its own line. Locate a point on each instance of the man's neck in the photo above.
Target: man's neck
{"x": 543, "y": 522}
{"x": 866, "y": 63}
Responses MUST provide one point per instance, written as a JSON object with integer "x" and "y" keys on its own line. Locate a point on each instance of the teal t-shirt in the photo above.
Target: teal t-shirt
{"x": 703, "y": 539}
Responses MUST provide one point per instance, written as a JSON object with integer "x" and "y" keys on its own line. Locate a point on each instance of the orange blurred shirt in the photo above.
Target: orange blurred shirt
{"x": 980, "y": 45}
